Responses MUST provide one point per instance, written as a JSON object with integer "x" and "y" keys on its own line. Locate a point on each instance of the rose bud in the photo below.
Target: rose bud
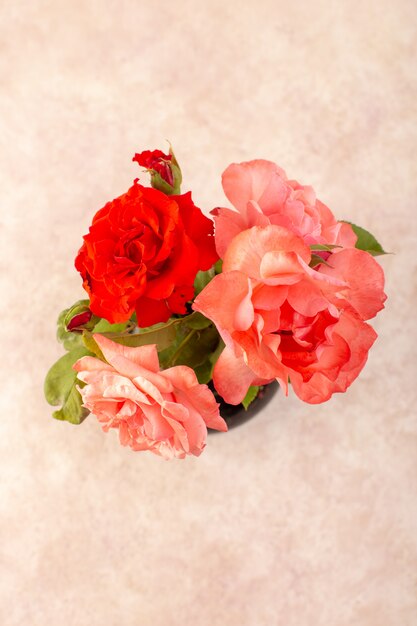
{"x": 163, "y": 168}
{"x": 80, "y": 317}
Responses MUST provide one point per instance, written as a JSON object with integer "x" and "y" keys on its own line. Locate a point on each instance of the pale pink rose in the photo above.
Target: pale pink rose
{"x": 164, "y": 411}
{"x": 283, "y": 319}
{"x": 262, "y": 195}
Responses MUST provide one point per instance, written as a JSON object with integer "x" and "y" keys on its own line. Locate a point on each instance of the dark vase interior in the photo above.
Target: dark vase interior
{"x": 236, "y": 414}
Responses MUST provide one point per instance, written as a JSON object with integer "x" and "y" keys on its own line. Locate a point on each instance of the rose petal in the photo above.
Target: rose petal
{"x": 258, "y": 180}
{"x": 247, "y": 249}
{"x": 364, "y": 277}
{"x": 232, "y": 377}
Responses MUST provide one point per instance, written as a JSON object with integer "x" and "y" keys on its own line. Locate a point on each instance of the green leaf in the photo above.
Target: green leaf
{"x": 163, "y": 335}
{"x": 103, "y": 326}
{"x": 60, "y": 387}
{"x": 316, "y": 260}
{"x": 72, "y": 411}
{"x": 366, "y": 241}
{"x": 218, "y": 266}
{"x": 191, "y": 347}
{"x": 190, "y": 340}
{"x": 251, "y": 394}
{"x": 214, "y": 356}
{"x": 68, "y": 340}
{"x": 204, "y": 372}
{"x": 91, "y": 345}
{"x": 197, "y": 321}
{"x": 326, "y": 248}
{"x": 202, "y": 279}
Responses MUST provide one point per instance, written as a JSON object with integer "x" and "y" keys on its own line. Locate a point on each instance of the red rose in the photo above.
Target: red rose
{"x": 142, "y": 253}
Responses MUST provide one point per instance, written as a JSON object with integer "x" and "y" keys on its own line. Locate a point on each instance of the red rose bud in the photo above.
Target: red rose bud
{"x": 79, "y": 320}
{"x": 80, "y": 317}
{"x": 163, "y": 168}
{"x": 158, "y": 161}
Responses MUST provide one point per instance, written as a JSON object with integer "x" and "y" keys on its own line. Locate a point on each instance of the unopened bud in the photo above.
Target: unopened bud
{"x": 79, "y": 317}
{"x": 163, "y": 168}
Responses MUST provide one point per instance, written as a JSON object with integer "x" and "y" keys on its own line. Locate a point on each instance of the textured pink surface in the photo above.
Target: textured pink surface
{"x": 306, "y": 516}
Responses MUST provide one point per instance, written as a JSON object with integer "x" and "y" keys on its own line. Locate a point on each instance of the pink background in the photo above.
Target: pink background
{"x": 307, "y": 516}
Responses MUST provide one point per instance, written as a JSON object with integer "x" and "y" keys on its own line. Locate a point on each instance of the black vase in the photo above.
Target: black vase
{"x": 236, "y": 414}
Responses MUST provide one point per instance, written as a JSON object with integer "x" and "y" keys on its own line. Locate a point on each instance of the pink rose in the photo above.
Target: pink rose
{"x": 282, "y": 319}
{"x": 262, "y": 195}
{"x": 166, "y": 412}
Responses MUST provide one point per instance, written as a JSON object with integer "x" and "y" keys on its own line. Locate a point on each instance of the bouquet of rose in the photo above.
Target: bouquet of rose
{"x": 181, "y": 308}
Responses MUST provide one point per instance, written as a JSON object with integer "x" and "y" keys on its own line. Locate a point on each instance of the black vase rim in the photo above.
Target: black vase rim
{"x": 236, "y": 415}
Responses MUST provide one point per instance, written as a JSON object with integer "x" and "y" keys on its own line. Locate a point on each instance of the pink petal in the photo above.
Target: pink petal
{"x": 156, "y": 426}
{"x": 120, "y": 387}
{"x": 201, "y": 399}
{"x": 181, "y": 376}
{"x": 175, "y": 410}
{"x": 129, "y": 362}
{"x": 364, "y": 276}
{"x": 352, "y": 338}
{"x": 306, "y": 298}
{"x": 180, "y": 432}
{"x": 247, "y": 249}
{"x": 227, "y": 224}
{"x": 254, "y": 215}
{"x": 262, "y": 361}
{"x": 346, "y": 236}
{"x": 280, "y": 268}
{"x": 221, "y": 298}
{"x": 244, "y": 313}
{"x": 269, "y": 297}
{"x": 196, "y": 431}
{"x": 128, "y": 409}
{"x": 149, "y": 388}
{"x": 91, "y": 364}
{"x": 232, "y": 377}
{"x": 145, "y": 356}
{"x": 258, "y": 180}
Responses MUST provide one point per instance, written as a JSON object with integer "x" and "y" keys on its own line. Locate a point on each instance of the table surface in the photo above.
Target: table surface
{"x": 307, "y": 515}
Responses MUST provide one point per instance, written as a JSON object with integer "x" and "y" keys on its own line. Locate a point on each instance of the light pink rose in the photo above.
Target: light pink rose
{"x": 166, "y": 412}
{"x": 283, "y": 319}
{"x": 262, "y": 195}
